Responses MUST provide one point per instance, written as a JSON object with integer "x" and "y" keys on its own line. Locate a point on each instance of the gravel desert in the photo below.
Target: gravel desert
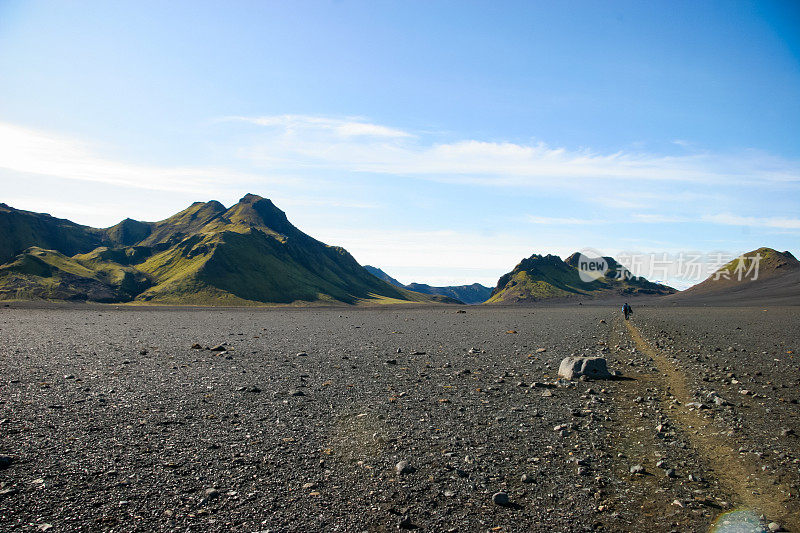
{"x": 438, "y": 418}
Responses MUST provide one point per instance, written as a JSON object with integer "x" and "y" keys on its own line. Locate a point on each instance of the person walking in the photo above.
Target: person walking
{"x": 626, "y": 310}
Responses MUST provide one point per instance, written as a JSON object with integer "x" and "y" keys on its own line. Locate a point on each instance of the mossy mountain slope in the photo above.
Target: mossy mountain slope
{"x": 760, "y": 276}
{"x": 249, "y": 254}
{"x": 543, "y": 277}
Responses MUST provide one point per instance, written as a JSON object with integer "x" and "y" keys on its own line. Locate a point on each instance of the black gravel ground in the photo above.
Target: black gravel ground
{"x": 110, "y": 420}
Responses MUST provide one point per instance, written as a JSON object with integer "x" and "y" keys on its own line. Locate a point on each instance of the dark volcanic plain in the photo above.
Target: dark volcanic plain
{"x": 110, "y": 420}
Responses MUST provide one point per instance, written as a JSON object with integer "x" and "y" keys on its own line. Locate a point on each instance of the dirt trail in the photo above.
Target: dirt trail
{"x": 754, "y": 489}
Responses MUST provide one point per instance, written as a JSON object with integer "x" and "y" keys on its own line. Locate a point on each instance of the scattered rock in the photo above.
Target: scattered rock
{"x": 218, "y": 348}
{"x": 302, "y": 354}
{"x": 197, "y": 346}
{"x": 637, "y": 470}
{"x": 403, "y": 468}
{"x": 591, "y": 367}
{"x": 211, "y": 493}
{"x": 501, "y": 499}
{"x": 5, "y": 461}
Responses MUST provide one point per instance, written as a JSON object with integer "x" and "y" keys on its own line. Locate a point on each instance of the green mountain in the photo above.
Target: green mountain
{"x": 761, "y": 276}
{"x": 249, "y": 254}
{"x": 22, "y": 229}
{"x": 545, "y": 277}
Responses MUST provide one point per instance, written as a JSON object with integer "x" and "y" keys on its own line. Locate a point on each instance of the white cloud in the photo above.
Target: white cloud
{"x": 758, "y": 222}
{"x": 300, "y": 141}
{"x": 558, "y": 221}
{"x": 346, "y": 127}
{"x": 650, "y": 218}
{"x": 32, "y": 151}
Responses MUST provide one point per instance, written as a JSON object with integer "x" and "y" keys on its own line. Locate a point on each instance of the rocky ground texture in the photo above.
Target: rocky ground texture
{"x": 429, "y": 418}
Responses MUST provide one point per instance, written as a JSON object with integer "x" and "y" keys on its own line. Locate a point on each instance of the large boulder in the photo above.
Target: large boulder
{"x": 591, "y": 367}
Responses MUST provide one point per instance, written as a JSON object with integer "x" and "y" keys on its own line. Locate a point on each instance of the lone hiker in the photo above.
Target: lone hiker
{"x": 626, "y": 310}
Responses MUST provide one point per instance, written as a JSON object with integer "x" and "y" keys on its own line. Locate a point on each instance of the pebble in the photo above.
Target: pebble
{"x": 403, "y": 468}
{"x": 774, "y": 526}
{"x": 5, "y": 461}
{"x": 302, "y": 354}
{"x": 500, "y": 498}
{"x": 637, "y": 469}
{"x": 211, "y": 493}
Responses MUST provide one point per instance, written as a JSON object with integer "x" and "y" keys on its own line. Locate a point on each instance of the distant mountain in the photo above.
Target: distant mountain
{"x": 249, "y": 254}
{"x": 380, "y": 274}
{"x": 777, "y": 281}
{"x": 469, "y": 294}
{"x": 543, "y": 277}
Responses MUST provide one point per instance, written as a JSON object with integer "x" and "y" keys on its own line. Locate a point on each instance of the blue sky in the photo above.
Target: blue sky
{"x": 441, "y": 141}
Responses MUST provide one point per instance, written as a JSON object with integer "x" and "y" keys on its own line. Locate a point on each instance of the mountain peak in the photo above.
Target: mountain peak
{"x": 259, "y": 212}
{"x": 251, "y": 198}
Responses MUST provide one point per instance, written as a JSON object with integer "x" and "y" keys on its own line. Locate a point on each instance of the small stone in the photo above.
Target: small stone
{"x": 142, "y": 352}
{"x": 309, "y": 485}
{"x": 527, "y": 478}
{"x": 786, "y": 432}
{"x": 671, "y": 473}
{"x": 302, "y": 354}
{"x": 211, "y": 493}
{"x": 218, "y": 348}
{"x": 391, "y": 361}
{"x": 403, "y": 468}
{"x": 501, "y": 499}
{"x": 5, "y": 461}
{"x": 449, "y": 494}
{"x": 774, "y": 526}
{"x": 254, "y": 389}
{"x": 637, "y": 469}
{"x": 197, "y": 346}
{"x": 45, "y": 527}
{"x": 541, "y": 350}
{"x": 296, "y": 392}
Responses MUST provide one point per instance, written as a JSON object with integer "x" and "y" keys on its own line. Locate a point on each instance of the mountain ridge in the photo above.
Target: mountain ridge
{"x": 469, "y": 294}
{"x": 546, "y": 277}
{"x": 777, "y": 281}
{"x": 206, "y": 254}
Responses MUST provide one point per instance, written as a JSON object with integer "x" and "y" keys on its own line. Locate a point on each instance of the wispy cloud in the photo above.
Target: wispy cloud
{"x": 292, "y": 141}
{"x": 559, "y": 221}
{"x": 652, "y": 218}
{"x": 31, "y": 151}
{"x": 729, "y": 219}
{"x": 342, "y": 127}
